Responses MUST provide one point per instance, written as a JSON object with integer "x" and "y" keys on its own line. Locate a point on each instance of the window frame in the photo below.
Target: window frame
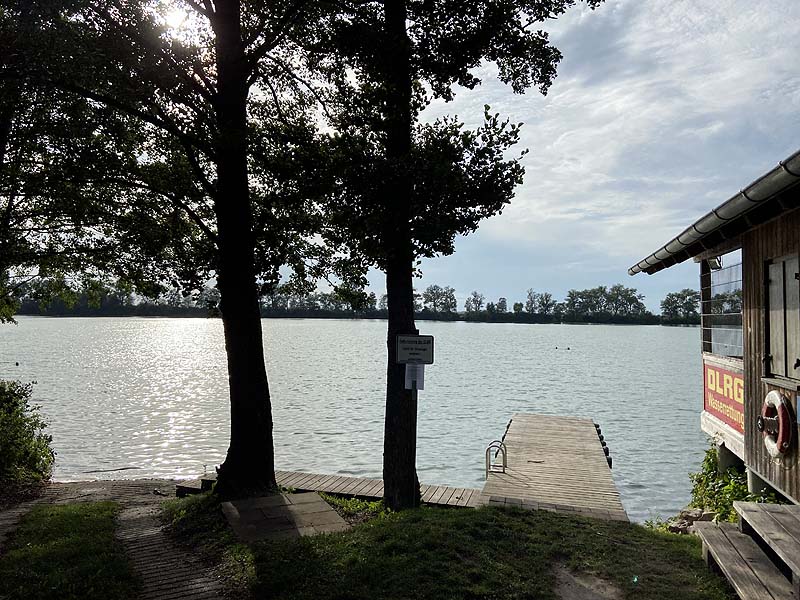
{"x": 789, "y": 370}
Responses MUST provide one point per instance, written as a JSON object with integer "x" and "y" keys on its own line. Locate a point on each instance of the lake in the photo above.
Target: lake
{"x": 151, "y": 393}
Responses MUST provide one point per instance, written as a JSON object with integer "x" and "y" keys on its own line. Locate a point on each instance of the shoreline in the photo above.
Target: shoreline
{"x": 509, "y": 318}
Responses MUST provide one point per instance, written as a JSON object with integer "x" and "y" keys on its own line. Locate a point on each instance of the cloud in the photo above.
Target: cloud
{"x": 661, "y": 110}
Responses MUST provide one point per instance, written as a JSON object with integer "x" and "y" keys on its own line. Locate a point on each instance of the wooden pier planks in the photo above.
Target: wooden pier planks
{"x": 555, "y": 463}
{"x": 373, "y": 488}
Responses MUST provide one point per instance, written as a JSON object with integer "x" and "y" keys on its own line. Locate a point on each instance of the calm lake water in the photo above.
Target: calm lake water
{"x": 152, "y": 394}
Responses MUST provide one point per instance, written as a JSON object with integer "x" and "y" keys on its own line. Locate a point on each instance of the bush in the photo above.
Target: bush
{"x": 25, "y": 453}
{"x": 715, "y": 491}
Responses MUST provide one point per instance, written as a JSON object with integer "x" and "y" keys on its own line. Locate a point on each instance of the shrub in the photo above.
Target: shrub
{"x": 715, "y": 491}
{"x": 25, "y": 453}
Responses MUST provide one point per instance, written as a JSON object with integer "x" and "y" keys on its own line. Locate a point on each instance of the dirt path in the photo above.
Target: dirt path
{"x": 167, "y": 572}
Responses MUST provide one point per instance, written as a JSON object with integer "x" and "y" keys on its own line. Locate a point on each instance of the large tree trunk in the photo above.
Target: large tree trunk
{"x": 401, "y": 487}
{"x": 249, "y": 467}
{"x": 8, "y": 101}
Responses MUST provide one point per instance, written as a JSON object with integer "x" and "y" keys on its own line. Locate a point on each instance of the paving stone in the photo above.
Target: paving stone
{"x": 263, "y": 502}
{"x": 306, "y": 498}
{"x": 282, "y": 516}
{"x": 318, "y": 519}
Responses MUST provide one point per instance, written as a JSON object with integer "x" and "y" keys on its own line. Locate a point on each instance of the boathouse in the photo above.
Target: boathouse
{"x": 748, "y": 249}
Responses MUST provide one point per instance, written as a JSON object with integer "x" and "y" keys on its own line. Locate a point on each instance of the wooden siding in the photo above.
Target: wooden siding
{"x": 778, "y": 239}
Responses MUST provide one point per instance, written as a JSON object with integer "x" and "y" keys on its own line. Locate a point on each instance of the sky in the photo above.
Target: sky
{"x": 661, "y": 111}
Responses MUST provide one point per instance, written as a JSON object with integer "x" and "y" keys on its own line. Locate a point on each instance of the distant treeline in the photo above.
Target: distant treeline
{"x": 616, "y": 304}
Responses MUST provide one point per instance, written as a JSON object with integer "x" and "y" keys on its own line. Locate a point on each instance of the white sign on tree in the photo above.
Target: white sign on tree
{"x": 415, "y": 349}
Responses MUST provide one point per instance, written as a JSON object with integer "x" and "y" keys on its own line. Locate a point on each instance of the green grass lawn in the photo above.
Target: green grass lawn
{"x": 67, "y": 551}
{"x": 451, "y": 553}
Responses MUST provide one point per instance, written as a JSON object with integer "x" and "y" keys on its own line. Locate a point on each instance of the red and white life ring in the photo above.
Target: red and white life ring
{"x": 775, "y": 423}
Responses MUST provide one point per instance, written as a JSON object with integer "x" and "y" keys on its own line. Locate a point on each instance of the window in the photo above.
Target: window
{"x": 721, "y": 307}
{"x": 783, "y": 317}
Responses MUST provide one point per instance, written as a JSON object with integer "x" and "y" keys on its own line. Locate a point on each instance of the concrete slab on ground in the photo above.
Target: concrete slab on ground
{"x": 282, "y": 516}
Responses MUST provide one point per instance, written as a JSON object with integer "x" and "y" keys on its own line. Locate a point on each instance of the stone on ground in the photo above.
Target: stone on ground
{"x": 282, "y": 516}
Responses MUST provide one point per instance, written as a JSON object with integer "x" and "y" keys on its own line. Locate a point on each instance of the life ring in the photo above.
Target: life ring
{"x": 775, "y": 424}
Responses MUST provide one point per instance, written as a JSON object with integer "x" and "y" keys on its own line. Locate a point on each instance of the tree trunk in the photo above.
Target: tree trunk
{"x": 401, "y": 487}
{"x": 8, "y": 101}
{"x": 249, "y": 467}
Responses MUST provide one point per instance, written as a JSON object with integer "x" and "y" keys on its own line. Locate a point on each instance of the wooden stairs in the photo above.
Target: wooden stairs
{"x": 760, "y": 556}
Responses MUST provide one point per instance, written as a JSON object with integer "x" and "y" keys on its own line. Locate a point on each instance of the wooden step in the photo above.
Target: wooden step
{"x": 188, "y": 487}
{"x": 778, "y": 525}
{"x": 207, "y": 481}
{"x": 745, "y": 566}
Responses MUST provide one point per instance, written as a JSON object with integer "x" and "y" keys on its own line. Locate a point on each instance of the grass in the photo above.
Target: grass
{"x": 355, "y": 510}
{"x": 450, "y": 553}
{"x": 198, "y": 523}
{"x": 67, "y": 551}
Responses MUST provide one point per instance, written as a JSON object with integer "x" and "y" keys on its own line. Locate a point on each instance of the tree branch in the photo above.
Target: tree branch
{"x": 207, "y": 10}
{"x": 289, "y": 71}
{"x": 166, "y": 125}
{"x": 289, "y": 18}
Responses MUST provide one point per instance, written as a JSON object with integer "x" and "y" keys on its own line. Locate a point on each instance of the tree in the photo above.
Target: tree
{"x": 574, "y": 304}
{"x": 502, "y": 305}
{"x": 559, "y": 310}
{"x": 433, "y": 298}
{"x": 624, "y": 301}
{"x": 684, "y": 304}
{"x": 518, "y": 306}
{"x": 383, "y": 303}
{"x": 236, "y": 154}
{"x": 530, "y": 302}
{"x": 449, "y": 304}
{"x": 410, "y": 188}
{"x": 417, "y": 300}
{"x": 53, "y": 218}
{"x": 593, "y": 301}
{"x": 491, "y": 308}
{"x": 439, "y": 299}
{"x": 372, "y": 301}
{"x": 545, "y": 304}
{"x": 474, "y": 303}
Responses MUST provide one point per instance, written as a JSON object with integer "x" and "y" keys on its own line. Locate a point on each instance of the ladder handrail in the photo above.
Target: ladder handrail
{"x": 500, "y": 447}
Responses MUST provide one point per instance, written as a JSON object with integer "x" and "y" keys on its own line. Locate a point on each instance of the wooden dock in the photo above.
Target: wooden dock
{"x": 362, "y": 487}
{"x": 558, "y": 464}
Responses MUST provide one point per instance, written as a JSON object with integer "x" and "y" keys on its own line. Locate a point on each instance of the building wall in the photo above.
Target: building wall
{"x": 773, "y": 240}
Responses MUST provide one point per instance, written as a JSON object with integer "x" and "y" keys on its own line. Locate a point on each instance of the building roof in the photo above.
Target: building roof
{"x": 767, "y": 197}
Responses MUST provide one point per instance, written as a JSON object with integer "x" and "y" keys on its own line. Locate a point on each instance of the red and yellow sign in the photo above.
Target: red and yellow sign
{"x": 724, "y": 395}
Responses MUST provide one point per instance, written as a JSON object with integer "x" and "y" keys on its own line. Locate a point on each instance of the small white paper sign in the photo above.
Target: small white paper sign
{"x": 415, "y": 377}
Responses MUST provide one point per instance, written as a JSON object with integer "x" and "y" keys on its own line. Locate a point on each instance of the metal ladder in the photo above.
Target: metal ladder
{"x": 500, "y": 448}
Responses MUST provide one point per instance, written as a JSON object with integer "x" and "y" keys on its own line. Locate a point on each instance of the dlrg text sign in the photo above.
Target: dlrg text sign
{"x": 415, "y": 349}
{"x": 724, "y": 395}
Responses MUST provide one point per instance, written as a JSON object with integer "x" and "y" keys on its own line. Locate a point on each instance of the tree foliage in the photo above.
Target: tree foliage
{"x": 617, "y": 301}
{"x": 219, "y": 172}
{"x": 684, "y": 304}
{"x": 439, "y": 299}
{"x": 61, "y": 157}
{"x": 25, "y": 453}
{"x": 474, "y": 302}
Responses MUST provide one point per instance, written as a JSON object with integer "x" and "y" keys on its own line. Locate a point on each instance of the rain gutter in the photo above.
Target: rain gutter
{"x": 707, "y": 231}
